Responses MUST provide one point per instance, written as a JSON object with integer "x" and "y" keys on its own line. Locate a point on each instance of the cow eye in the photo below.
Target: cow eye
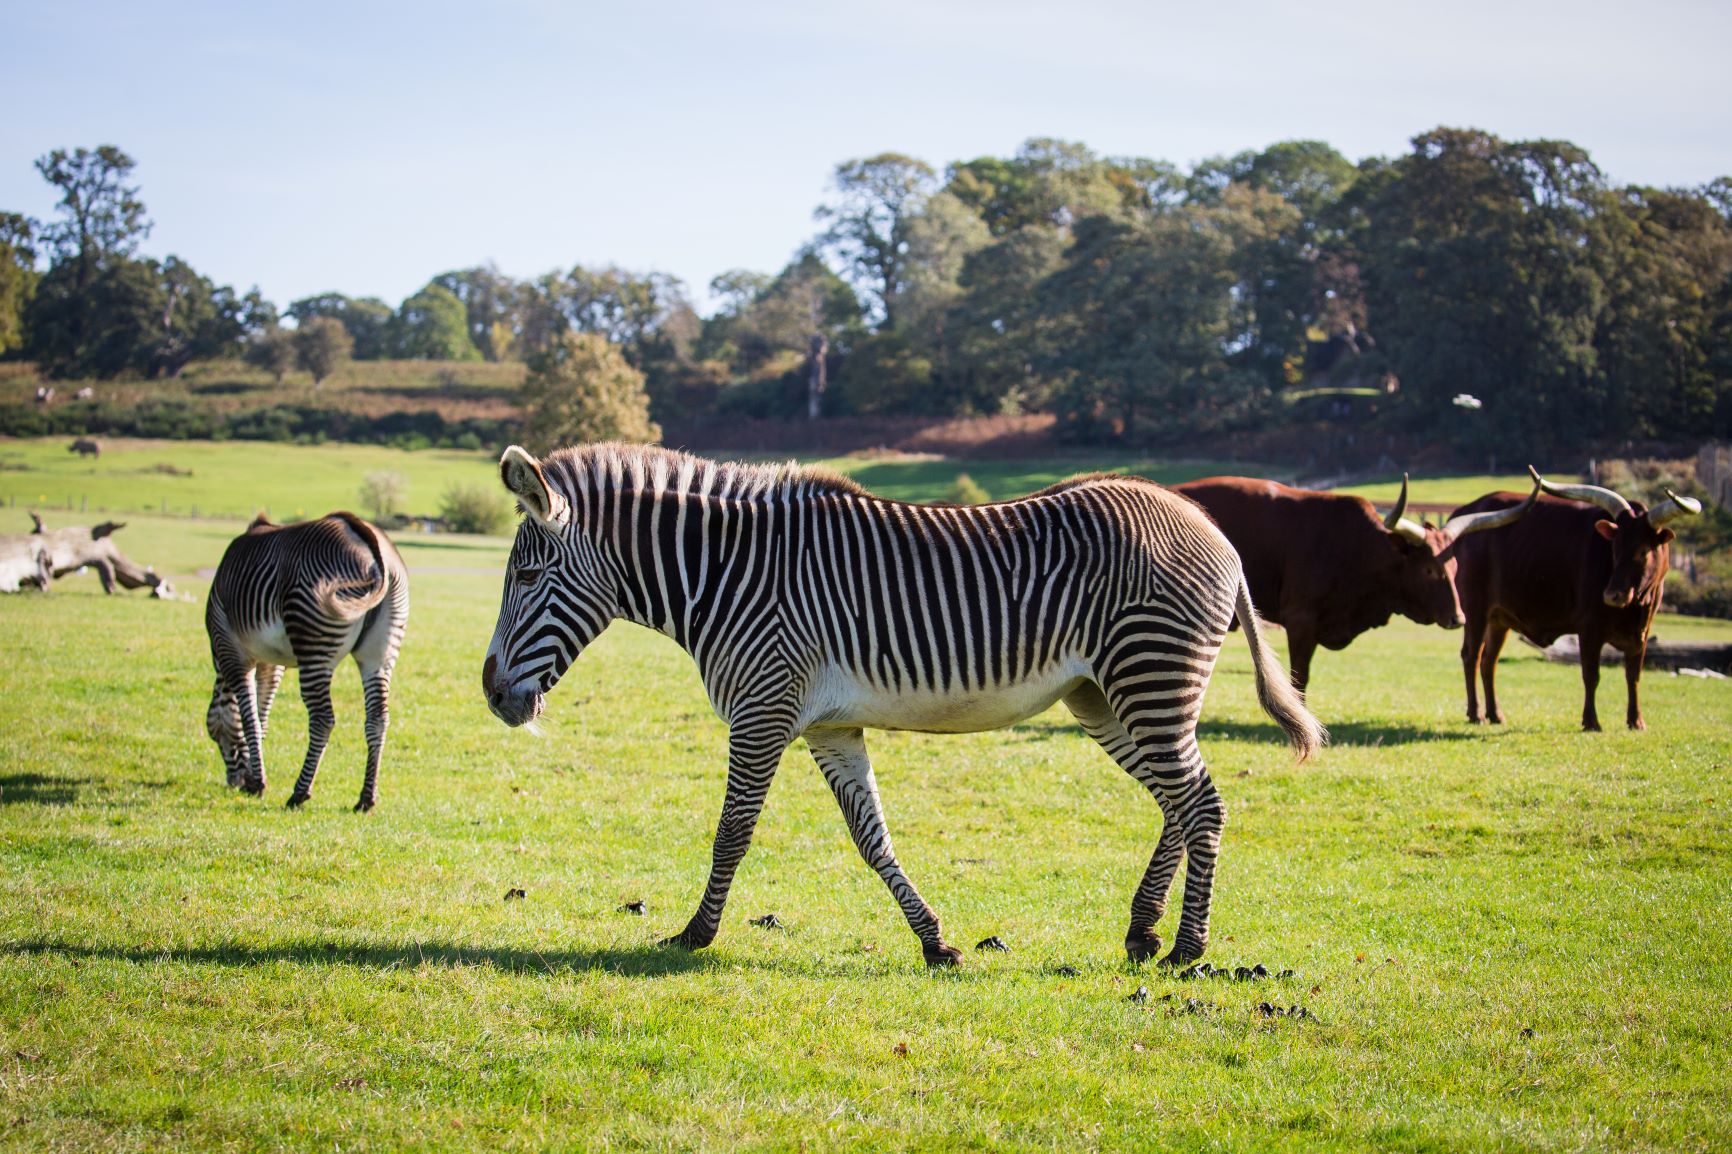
{"x": 528, "y": 575}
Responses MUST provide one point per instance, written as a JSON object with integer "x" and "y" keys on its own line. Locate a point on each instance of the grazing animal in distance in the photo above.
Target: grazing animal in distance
{"x": 1566, "y": 568}
{"x": 1325, "y": 567}
{"x": 814, "y": 609}
{"x": 86, "y": 447}
{"x": 307, "y": 595}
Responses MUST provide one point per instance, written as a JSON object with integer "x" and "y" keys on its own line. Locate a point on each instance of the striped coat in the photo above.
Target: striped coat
{"x": 815, "y": 609}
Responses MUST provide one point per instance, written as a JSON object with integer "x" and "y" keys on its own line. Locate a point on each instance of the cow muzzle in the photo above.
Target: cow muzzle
{"x": 1619, "y": 598}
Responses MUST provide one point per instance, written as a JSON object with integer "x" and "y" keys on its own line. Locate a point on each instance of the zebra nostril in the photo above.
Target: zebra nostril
{"x": 487, "y": 671}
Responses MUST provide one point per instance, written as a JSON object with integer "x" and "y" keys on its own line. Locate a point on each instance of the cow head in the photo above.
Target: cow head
{"x": 1425, "y": 573}
{"x": 1638, "y": 536}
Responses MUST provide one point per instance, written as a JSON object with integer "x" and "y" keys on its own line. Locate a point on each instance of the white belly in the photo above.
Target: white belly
{"x": 844, "y": 699}
{"x": 270, "y": 644}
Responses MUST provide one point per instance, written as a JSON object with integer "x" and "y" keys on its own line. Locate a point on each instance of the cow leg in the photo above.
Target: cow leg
{"x": 841, "y": 755}
{"x": 321, "y": 720}
{"x": 1301, "y": 646}
{"x": 104, "y": 574}
{"x": 754, "y": 750}
{"x": 1590, "y": 650}
{"x": 1495, "y": 636}
{"x": 1089, "y": 706}
{"x": 1472, "y": 642}
{"x": 1633, "y": 659}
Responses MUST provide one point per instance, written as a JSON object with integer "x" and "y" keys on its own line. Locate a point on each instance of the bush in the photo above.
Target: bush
{"x": 967, "y": 491}
{"x": 382, "y": 493}
{"x": 474, "y": 509}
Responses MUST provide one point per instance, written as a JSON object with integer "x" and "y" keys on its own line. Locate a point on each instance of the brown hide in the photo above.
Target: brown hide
{"x": 1555, "y": 572}
{"x": 1323, "y": 566}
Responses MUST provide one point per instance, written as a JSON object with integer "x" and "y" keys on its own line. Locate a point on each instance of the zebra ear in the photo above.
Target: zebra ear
{"x": 522, "y": 474}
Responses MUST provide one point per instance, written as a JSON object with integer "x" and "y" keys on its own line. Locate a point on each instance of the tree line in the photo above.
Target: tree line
{"x": 1478, "y": 291}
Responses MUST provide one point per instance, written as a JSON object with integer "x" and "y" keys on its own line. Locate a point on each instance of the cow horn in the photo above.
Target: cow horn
{"x": 1394, "y": 518}
{"x": 1409, "y": 528}
{"x": 1672, "y": 508}
{"x": 1592, "y": 494}
{"x": 1465, "y": 523}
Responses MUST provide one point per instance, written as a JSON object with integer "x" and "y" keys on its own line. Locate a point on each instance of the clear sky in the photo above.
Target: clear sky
{"x": 365, "y": 147}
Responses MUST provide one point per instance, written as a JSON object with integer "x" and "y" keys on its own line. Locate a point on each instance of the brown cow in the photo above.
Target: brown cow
{"x": 1326, "y": 568}
{"x": 86, "y": 447}
{"x": 70, "y": 550}
{"x": 1566, "y": 569}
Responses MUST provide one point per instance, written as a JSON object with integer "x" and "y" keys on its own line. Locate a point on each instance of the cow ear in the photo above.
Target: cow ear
{"x": 1666, "y": 536}
{"x": 522, "y": 474}
{"x": 1606, "y": 529}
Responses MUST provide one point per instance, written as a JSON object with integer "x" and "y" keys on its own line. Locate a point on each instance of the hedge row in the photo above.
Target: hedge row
{"x": 177, "y": 420}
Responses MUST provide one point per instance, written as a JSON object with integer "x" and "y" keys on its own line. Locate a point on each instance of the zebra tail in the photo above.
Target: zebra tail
{"x": 347, "y": 599}
{"x": 1275, "y": 690}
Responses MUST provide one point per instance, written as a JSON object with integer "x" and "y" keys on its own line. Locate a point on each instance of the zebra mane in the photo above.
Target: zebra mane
{"x": 614, "y": 467}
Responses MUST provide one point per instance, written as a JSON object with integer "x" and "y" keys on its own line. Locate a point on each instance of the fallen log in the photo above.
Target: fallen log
{"x": 1713, "y": 655}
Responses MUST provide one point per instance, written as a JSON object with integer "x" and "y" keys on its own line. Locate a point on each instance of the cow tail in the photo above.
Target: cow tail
{"x": 1275, "y": 690}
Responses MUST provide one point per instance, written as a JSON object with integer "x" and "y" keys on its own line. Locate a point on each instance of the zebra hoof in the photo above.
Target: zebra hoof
{"x": 253, "y": 788}
{"x": 941, "y": 955}
{"x": 1141, "y": 947}
{"x": 1183, "y": 953}
{"x": 687, "y": 940}
{"x": 297, "y": 800}
{"x": 365, "y": 805}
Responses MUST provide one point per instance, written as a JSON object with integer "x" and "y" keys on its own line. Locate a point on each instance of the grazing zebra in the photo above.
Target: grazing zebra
{"x": 306, "y": 595}
{"x": 815, "y": 609}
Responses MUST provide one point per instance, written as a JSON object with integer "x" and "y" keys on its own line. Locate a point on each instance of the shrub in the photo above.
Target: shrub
{"x": 382, "y": 493}
{"x": 474, "y": 509}
{"x": 967, "y": 491}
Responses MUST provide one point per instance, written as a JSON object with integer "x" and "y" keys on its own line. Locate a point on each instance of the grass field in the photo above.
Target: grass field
{"x": 1509, "y": 939}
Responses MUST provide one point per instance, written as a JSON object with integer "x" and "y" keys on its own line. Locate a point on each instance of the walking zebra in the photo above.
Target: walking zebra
{"x": 306, "y": 595}
{"x": 814, "y": 608}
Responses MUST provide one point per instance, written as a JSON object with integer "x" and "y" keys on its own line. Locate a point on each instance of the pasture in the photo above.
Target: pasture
{"x": 1506, "y": 939}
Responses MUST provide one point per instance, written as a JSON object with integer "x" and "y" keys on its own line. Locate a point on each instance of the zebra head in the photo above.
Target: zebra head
{"x": 223, "y": 722}
{"x": 559, "y": 594}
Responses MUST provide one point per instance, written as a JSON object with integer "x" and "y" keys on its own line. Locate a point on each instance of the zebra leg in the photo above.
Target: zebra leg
{"x": 268, "y": 678}
{"x": 1089, "y": 706}
{"x": 1156, "y": 693}
{"x": 240, "y": 684}
{"x": 841, "y": 755}
{"x": 753, "y": 755}
{"x": 376, "y": 686}
{"x": 321, "y": 719}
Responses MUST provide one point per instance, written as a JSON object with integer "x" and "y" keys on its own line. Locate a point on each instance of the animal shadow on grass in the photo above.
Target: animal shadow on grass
{"x": 1341, "y": 733}
{"x": 636, "y": 962}
{"x": 40, "y": 789}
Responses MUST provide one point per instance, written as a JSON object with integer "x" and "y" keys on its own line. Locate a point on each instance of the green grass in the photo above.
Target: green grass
{"x": 182, "y": 967}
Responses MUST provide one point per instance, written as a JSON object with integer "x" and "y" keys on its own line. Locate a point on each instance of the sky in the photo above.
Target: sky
{"x": 365, "y": 147}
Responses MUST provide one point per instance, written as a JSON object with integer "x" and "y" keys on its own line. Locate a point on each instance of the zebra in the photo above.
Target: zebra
{"x": 308, "y": 595}
{"x": 813, "y": 608}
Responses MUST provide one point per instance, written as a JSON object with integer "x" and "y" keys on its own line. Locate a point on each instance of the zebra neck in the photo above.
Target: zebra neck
{"x": 681, "y": 558}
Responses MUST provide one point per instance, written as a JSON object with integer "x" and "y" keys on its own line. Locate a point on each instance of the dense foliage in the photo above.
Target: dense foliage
{"x": 1136, "y": 301}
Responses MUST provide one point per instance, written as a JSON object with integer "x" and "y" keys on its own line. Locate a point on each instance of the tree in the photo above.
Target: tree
{"x": 433, "y": 325}
{"x": 491, "y": 302}
{"x": 867, "y": 226}
{"x": 382, "y": 494}
{"x": 368, "y": 320}
{"x": 18, "y": 277}
{"x": 583, "y": 389}
{"x": 322, "y": 346}
{"x": 274, "y": 351}
{"x": 101, "y": 216}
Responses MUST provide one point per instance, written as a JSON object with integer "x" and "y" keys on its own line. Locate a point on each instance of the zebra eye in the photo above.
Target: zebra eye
{"x": 528, "y": 576}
